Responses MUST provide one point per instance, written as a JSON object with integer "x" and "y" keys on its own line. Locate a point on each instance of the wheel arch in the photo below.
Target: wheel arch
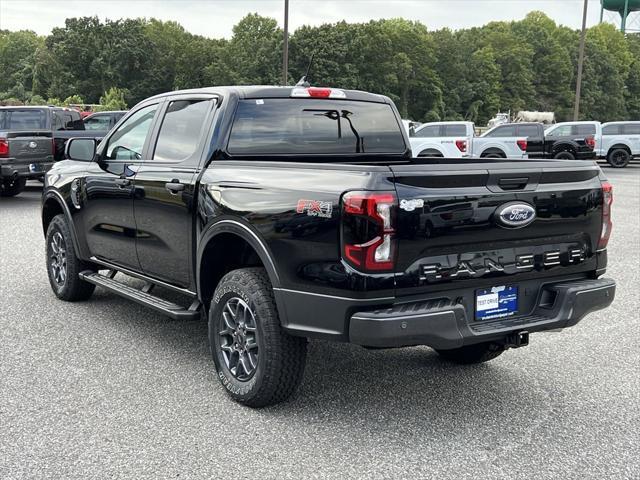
{"x": 53, "y": 204}
{"x": 493, "y": 150}
{"x": 617, "y": 146}
{"x": 226, "y": 245}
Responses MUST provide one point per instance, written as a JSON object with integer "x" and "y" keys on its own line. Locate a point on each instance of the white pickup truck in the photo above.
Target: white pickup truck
{"x": 458, "y": 140}
{"x": 616, "y": 142}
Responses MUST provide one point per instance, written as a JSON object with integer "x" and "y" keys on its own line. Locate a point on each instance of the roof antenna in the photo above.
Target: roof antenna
{"x": 303, "y": 81}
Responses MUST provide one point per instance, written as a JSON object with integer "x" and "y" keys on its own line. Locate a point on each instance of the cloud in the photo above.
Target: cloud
{"x": 215, "y": 18}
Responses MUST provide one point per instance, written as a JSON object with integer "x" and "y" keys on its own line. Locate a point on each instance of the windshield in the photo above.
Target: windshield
{"x": 276, "y": 126}
{"x": 23, "y": 119}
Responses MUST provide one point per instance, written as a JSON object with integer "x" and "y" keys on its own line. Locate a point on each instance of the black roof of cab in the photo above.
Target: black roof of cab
{"x": 266, "y": 91}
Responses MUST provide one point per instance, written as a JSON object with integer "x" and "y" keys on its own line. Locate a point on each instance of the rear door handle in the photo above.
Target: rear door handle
{"x": 122, "y": 182}
{"x": 174, "y": 186}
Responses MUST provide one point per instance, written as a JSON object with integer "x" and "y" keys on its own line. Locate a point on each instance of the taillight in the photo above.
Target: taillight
{"x": 4, "y": 147}
{"x": 368, "y": 233}
{"x": 522, "y": 144}
{"x": 591, "y": 142}
{"x": 607, "y": 225}
{"x": 462, "y": 145}
{"x": 317, "y": 92}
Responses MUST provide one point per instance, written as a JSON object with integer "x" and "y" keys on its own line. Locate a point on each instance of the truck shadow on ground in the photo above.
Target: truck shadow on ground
{"x": 346, "y": 386}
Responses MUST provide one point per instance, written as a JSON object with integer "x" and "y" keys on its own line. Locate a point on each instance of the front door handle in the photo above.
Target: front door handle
{"x": 123, "y": 182}
{"x": 174, "y": 186}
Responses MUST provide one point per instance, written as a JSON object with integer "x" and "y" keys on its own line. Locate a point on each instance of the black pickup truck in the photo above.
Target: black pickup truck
{"x": 287, "y": 213}
{"x": 32, "y": 138}
{"x": 539, "y": 145}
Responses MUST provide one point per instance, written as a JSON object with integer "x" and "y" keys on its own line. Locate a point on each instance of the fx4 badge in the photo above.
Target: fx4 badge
{"x": 411, "y": 205}
{"x": 315, "y": 208}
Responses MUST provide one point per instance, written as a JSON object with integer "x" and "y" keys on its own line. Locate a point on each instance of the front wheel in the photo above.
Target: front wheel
{"x": 258, "y": 363}
{"x": 471, "y": 354}
{"x": 618, "y": 158}
{"x": 63, "y": 266}
{"x": 12, "y": 186}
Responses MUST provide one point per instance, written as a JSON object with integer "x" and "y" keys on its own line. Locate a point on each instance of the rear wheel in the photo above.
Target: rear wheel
{"x": 430, "y": 154}
{"x": 12, "y": 186}
{"x": 258, "y": 363}
{"x": 565, "y": 155}
{"x": 470, "y": 354}
{"x": 493, "y": 154}
{"x": 618, "y": 158}
{"x": 63, "y": 266}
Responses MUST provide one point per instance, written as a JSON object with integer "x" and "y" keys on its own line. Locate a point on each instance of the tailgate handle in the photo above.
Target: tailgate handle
{"x": 513, "y": 183}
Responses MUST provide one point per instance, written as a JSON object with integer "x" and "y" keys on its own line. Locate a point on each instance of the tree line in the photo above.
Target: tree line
{"x": 431, "y": 75}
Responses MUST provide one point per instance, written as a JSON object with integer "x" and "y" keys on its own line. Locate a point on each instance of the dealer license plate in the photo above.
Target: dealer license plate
{"x": 497, "y": 302}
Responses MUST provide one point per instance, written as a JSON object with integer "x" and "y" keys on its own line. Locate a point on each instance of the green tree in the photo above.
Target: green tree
{"x": 113, "y": 99}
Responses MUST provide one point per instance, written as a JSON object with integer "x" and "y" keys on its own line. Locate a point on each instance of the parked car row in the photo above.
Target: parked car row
{"x": 615, "y": 142}
{"x": 32, "y": 138}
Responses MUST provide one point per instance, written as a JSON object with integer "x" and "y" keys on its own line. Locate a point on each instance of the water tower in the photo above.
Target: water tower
{"x": 629, "y": 11}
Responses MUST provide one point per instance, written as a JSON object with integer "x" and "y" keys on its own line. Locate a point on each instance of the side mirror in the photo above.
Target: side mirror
{"x": 81, "y": 149}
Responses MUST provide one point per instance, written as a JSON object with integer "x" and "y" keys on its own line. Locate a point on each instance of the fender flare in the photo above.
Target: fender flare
{"x": 425, "y": 146}
{"x": 57, "y": 197}
{"x": 248, "y": 234}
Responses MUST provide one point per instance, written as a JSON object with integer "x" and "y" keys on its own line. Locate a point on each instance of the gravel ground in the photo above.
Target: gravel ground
{"x": 108, "y": 389}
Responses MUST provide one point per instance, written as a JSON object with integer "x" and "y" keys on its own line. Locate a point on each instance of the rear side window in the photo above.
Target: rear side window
{"x": 23, "y": 119}
{"x": 97, "y": 122}
{"x": 631, "y": 128}
{"x": 501, "y": 132}
{"x": 181, "y": 130}
{"x": 611, "y": 130}
{"x": 584, "y": 129}
{"x": 454, "y": 131}
{"x": 527, "y": 131}
{"x": 277, "y": 126}
{"x": 430, "y": 131}
{"x": 561, "y": 131}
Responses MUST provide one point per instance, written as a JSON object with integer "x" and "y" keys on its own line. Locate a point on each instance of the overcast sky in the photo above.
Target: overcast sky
{"x": 215, "y": 18}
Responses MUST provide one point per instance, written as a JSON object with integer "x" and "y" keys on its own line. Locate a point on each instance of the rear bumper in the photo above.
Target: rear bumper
{"x": 586, "y": 155}
{"x": 443, "y": 324}
{"x": 29, "y": 170}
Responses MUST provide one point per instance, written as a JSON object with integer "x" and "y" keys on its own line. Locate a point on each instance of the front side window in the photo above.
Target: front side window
{"x": 274, "y": 126}
{"x": 631, "y": 128}
{"x": 561, "y": 131}
{"x": 128, "y": 141}
{"x": 181, "y": 130}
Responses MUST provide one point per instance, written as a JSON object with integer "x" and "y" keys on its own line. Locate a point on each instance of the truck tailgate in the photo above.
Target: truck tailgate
{"x": 30, "y": 146}
{"x": 450, "y": 229}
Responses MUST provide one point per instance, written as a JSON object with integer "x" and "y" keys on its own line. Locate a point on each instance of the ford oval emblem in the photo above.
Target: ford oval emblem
{"x": 515, "y": 215}
{"x": 33, "y": 144}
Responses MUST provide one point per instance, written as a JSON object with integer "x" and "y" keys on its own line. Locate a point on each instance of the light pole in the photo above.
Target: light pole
{"x": 576, "y": 110}
{"x": 285, "y": 53}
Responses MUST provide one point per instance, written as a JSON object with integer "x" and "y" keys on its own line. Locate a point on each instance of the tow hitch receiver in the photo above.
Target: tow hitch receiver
{"x": 517, "y": 340}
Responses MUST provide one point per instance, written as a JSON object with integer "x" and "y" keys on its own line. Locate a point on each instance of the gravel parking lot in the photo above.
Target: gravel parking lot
{"x": 107, "y": 388}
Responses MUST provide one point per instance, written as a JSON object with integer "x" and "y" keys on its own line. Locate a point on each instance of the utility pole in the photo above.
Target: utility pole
{"x": 285, "y": 53}
{"x": 576, "y": 110}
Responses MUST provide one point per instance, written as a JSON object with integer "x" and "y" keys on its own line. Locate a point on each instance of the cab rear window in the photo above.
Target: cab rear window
{"x": 23, "y": 119}
{"x": 275, "y": 126}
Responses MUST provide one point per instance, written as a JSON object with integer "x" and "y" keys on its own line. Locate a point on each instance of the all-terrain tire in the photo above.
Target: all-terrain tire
{"x": 61, "y": 254}
{"x": 471, "y": 354}
{"x": 278, "y": 365}
{"x": 12, "y": 187}
{"x": 618, "y": 158}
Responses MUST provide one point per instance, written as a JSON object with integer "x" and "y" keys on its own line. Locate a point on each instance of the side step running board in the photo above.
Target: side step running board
{"x": 170, "y": 309}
